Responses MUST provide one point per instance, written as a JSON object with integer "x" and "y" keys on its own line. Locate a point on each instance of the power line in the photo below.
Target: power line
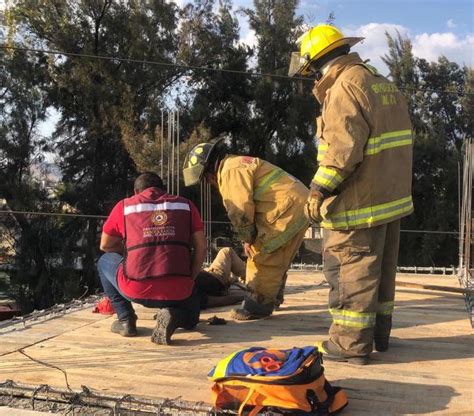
{"x": 158, "y": 63}
{"x": 60, "y": 214}
{"x": 203, "y": 68}
{"x": 51, "y": 214}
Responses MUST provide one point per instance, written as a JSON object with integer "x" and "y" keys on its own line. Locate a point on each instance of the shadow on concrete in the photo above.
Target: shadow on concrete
{"x": 381, "y": 397}
{"x": 426, "y": 349}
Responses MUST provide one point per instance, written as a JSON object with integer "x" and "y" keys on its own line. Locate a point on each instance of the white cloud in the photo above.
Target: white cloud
{"x": 374, "y": 46}
{"x": 425, "y": 45}
{"x": 458, "y": 49}
{"x": 450, "y": 23}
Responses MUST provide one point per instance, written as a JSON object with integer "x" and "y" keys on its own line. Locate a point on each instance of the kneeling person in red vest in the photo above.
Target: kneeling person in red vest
{"x": 154, "y": 247}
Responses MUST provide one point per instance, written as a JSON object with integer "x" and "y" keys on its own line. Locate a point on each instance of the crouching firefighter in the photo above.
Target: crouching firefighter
{"x": 265, "y": 205}
{"x": 154, "y": 247}
{"x": 360, "y": 190}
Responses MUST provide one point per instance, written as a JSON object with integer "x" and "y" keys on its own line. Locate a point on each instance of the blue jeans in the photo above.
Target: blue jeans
{"x": 107, "y": 267}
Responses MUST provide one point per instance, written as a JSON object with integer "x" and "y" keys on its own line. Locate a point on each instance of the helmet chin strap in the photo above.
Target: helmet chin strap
{"x": 321, "y": 66}
{"x": 319, "y": 73}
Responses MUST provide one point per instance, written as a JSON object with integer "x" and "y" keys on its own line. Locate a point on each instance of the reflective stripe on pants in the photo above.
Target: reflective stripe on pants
{"x": 360, "y": 267}
{"x": 369, "y": 216}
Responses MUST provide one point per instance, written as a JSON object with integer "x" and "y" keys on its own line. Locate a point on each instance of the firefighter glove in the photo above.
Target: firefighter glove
{"x": 313, "y": 206}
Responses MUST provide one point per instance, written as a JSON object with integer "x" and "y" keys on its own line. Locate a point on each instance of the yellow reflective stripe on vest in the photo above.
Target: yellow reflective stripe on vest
{"x": 385, "y": 308}
{"x": 268, "y": 180}
{"x": 377, "y": 144}
{"x": 322, "y": 149}
{"x": 285, "y": 236}
{"x": 370, "y": 215}
{"x": 388, "y": 141}
{"x": 353, "y": 319}
{"x": 327, "y": 178}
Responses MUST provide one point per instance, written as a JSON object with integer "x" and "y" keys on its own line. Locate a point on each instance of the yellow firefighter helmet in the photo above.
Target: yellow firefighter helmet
{"x": 315, "y": 44}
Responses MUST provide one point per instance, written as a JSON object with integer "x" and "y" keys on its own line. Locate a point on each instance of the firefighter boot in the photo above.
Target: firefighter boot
{"x": 240, "y": 314}
{"x": 330, "y": 352}
{"x": 251, "y": 310}
{"x": 127, "y": 327}
{"x": 281, "y": 293}
{"x": 383, "y": 325}
{"x": 167, "y": 321}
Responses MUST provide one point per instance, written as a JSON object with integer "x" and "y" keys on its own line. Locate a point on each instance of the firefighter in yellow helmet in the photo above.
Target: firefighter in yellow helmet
{"x": 266, "y": 207}
{"x": 361, "y": 189}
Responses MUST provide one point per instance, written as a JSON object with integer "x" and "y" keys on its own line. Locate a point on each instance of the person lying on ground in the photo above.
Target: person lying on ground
{"x": 214, "y": 281}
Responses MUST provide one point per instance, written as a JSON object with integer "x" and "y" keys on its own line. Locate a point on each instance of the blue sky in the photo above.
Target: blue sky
{"x": 418, "y": 15}
{"x": 434, "y": 26}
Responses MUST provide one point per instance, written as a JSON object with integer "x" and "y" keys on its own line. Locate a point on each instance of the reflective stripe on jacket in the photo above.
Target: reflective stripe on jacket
{"x": 365, "y": 147}
{"x": 264, "y": 203}
{"x": 157, "y": 235}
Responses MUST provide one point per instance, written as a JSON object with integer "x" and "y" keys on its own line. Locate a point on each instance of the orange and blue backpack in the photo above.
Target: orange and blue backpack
{"x": 290, "y": 382}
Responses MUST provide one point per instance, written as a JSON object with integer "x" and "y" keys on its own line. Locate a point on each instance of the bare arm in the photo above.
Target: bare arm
{"x": 111, "y": 244}
{"x": 198, "y": 241}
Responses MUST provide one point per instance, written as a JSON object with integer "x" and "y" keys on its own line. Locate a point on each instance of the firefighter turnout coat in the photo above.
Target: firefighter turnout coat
{"x": 365, "y": 147}
{"x": 264, "y": 203}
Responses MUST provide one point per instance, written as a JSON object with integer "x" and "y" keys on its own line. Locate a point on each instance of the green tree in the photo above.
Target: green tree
{"x": 217, "y": 100}
{"x": 23, "y": 105}
{"x": 441, "y": 120}
{"x": 95, "y": 96}
{"x": 282, "y": 126}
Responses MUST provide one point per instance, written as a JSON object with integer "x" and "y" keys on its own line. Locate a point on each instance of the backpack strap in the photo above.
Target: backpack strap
{"x": 318, "y": 408}
{"x": 252, "y": 392}
{"x": 335, "y": 402}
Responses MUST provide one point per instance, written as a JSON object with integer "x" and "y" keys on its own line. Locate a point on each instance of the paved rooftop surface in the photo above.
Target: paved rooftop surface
{"x": 429, "y": 368}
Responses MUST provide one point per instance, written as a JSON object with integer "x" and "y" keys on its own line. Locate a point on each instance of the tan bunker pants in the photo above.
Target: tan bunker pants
{"x": 360, "y": 267}
{"x": 226, "y": 263}
{"x": 266, "y": 275}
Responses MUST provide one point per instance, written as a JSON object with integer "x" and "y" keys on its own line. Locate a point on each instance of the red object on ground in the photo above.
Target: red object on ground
{"x": 104, "y": 307}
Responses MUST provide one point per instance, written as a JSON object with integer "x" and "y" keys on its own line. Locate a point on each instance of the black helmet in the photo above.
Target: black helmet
{"x": 197, "y": 162}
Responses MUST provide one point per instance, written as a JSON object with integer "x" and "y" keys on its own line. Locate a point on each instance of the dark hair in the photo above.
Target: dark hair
{"x": 147, "y": 180}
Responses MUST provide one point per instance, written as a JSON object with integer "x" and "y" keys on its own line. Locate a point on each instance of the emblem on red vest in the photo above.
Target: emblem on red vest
{"x": 157, "y": 235}
{"x": 159, "y": 217}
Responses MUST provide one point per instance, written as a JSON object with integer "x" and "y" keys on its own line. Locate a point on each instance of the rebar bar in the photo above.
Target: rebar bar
{"x": 168, "y": 141}
{"x": 465, "y": 229}
{"x": 178, "y": 151}
{"x": 119, "y": 404}
{"x": 172, "y": 137}
{"x": 162, "y": 143}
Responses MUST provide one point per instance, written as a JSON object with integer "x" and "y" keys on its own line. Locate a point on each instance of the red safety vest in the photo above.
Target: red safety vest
{"x": 157, "y": 235}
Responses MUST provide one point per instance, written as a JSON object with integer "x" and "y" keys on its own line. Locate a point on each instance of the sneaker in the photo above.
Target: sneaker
{"x": 330, "y": 354}
{"x": 127, "y": 327}
{"x": 241, "y": 314}
{"x": 166, "y": 324}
